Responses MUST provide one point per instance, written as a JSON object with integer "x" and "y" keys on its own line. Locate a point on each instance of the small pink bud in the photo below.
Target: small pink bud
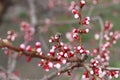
{"x": 58, "y": 73}
{"x": 66, "y": 55}
{"x": 46, "y": 67}
{"x": 81, "y": 51}
{"x": 22, "y": 47}
{"x": 77, "y": 15}
{"x": 28, "y": 59}
{"x": 97, "y": 36}
{"x": 40, "y": 63}
{"x": 64, "y": 61}
{"x": 61, "y": 44}
{"x": 38, "y": 50}
{"x": 74, "y": 11}
{"x": 86, "y": 20}
{"x": 50, "y": 40}
{"x": 7, "y": 52}
{"x": 50, "y": 64}
{"x": 71, "y": 54}
{"x": 29, "y": 48}
{"x": 75, "y": 31}
{"x": 10, "y": 32}
{"x": 86, "y": 31}
{"x": 57, "y": 65}
{"x": 75, "y": 36}
{"x": 85, "y": 75}
{"x": 82, "y": 3}
{"x": 37, "y": 44}
{"x": 52, "y": 52}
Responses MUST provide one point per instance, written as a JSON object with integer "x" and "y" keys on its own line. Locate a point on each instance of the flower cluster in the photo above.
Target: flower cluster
{"x": 85, "y": 21}
{"x": 101, "y": 55}
{"x": 81, "y": 50}
{"x": 99, "y": 71}
{"x": 28, "y": 31}
{"x": 76, "y": 32}
{"x": 73, "y": 4}
{"x": 112, "y": 74}
{"x": 29, "y": 48}
{"x": 61, "y": 51}
{"x": 11, "y": 36}
{"x": 74, "y": 9}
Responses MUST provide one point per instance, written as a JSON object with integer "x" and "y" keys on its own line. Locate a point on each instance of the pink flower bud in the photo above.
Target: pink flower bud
{"x": 64, "y": 61}
{"x": 75, "y": 31}
{"x": 22, "y": 47}
{"x": 74, "y": 11}
{"x": 58, "y": 73}
{"x": 40, "y": 63}
{"x": 57, "y": 65}
{"x": 46, "y": 67}
{"x": 86, "y": 31}
{"x": 85, "y": 75}
{"x": 52, "y": 52}
{"x": 50, "y": 64}
{"x": 29, "y": 48}
{"x": 38, "y": 50}
{"x": 82, "y": 3}
{"x": 75, "y": 36}
{"x": 77, "y": 15}
{"x": 37, "y": 44}
{"x": 28, "y": 59}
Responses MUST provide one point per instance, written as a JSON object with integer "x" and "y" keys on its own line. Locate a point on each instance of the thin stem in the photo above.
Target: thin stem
{"x": 33, "y": 17}
{"x": 63, "y": 70}
{"x": 112, "y": 69}
{"x": 80, "y": 26}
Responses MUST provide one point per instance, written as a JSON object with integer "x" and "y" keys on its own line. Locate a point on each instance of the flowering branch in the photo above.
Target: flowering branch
{"x": 63, "y": 54}
{"x": 33, "y": 54}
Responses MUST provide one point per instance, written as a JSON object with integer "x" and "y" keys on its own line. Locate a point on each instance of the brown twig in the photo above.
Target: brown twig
{"x": 63, "y": 70}
{"x": 80, "y": 26}
{"x": 112, "y": 69}
{"x": 32, "y": 54}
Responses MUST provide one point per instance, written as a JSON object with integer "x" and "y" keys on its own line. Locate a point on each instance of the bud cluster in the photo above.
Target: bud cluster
{"x": 62, "y": 52}
{"x": 75, "y": 10}
{"x": 59, "y": 50}
{"x": 81, "y": 50}
{"x": 85, "y": 21}
{"x": 29, "y": 48}
{"x": 102, "y": 54}
{"x": 98, "y": 70}
{"x": 11, "y": 36}
{"x": 77, "y": 32}
{"x": 73, "y": 5}
{"x": 113, "y": 74}
{"x": 28, "y": 31}
{"x": 77, "y": 14}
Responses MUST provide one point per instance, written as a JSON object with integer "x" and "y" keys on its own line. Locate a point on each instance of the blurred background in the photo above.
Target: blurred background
{"x": 49, "y": 17}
